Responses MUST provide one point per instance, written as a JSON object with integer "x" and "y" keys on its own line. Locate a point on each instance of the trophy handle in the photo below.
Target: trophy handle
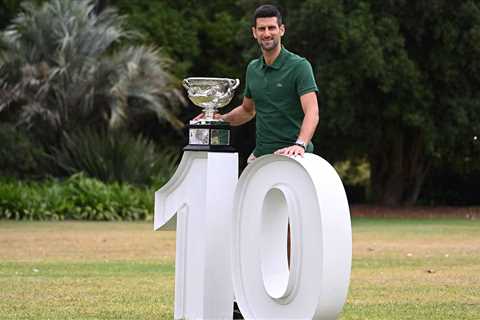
{"x": 234, "y": 83}
{"x": 185, "y": 84}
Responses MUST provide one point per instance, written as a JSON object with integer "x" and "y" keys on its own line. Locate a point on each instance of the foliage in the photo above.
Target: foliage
{"x": 399, "y": 84}
{"x": 399, "y": 81}
{"x": 17, "y": 153}
{"x": 444, "y": 186}
{"x": 454, "y": 180}
{"x": 355, "y": 177}
{"x": 8, "y": 10}
{"x": 167, "y": 27}
{"x": 64, "y": 68}
{"x": 353, "y": 173}
{"x": 112, "y": 156}
{"x": 201, "y": 36}
{"x": 77, "y": 198}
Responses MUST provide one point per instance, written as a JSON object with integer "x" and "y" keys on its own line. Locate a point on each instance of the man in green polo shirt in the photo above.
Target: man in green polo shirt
{"x": 280, "y": 91}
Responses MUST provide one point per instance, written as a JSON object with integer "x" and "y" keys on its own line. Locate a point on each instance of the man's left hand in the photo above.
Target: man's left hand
{"x": 291, "y": 151}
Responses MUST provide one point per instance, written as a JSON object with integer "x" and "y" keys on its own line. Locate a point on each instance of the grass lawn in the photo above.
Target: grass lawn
{"x": 402, "y": 269}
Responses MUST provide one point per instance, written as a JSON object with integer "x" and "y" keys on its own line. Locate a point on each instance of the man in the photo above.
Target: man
{"x": 280, "y": 91}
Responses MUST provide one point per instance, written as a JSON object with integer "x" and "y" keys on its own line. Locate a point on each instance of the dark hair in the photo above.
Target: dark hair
{"x": 267, "y": 11}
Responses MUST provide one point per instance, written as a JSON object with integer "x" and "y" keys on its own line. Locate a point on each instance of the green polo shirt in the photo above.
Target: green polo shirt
{"x": 276, "y": 90}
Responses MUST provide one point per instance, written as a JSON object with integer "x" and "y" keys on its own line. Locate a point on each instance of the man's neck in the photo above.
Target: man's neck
{"x": 270, "y": 56}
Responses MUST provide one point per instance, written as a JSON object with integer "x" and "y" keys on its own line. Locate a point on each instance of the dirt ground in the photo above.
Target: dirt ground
{"x": 415, "y": 212}
{"x": 86, "y": 241}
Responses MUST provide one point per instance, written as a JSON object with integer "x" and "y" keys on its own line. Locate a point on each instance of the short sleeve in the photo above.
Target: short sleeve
{"x": 247, "y": 93}
{"x": 305, "y": 80}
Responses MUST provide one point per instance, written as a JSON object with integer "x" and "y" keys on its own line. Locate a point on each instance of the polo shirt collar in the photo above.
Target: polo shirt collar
{"x": 279, "y": 61}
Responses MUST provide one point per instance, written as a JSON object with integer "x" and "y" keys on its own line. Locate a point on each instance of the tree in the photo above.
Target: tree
{"x": 63, "y": 68}
{"x": 399, "y": 83}
{"x": 8, "y": 9}
{"x": 199, "y": 35}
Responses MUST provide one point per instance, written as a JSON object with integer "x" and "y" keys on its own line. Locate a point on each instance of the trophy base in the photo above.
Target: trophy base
{"x": 206, "y": 122}
{"x": 211, "y": 137}
{"x": 209, "y": 148}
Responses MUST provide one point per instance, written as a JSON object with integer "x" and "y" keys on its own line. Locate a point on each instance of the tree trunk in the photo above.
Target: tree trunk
{"x": 398, "y": 167}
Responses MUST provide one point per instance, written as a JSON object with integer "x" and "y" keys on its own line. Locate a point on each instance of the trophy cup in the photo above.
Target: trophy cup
{"x": 209, "y": 134}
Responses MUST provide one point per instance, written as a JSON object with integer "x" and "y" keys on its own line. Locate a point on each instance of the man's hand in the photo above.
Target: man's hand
{"x": 291, "y": 151}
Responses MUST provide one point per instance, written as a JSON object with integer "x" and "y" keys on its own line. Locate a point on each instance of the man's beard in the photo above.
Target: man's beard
{"x": 272, "y": 44}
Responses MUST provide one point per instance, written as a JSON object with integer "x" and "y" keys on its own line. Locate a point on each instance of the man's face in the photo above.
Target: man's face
{"x": 268, "y": 33}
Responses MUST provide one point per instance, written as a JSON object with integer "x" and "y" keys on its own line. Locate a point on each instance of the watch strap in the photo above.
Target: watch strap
{"x": 301, "y": 143}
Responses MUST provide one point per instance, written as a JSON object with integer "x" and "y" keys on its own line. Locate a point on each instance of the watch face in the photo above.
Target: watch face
{"x": 301, "y": 143}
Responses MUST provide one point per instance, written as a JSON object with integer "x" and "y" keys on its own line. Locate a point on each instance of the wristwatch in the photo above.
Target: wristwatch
{"x": 301, "y": 143}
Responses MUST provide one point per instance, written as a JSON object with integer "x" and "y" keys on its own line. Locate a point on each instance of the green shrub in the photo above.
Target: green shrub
{"x": 94, "y": 200}
{"x": 112, "y": 156}
{"x": 77, "y": 198}
{"x": 17, "y": 152}
{"x": 30, "y": 201}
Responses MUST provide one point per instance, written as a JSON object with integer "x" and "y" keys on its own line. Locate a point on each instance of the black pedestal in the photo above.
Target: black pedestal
{"x": 213, "y": 136}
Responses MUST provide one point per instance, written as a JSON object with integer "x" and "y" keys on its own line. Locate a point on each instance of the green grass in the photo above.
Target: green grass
{"x": 108, "y": 290}
{"x": 402, "y": 269}
{"x": 415, "y": 269}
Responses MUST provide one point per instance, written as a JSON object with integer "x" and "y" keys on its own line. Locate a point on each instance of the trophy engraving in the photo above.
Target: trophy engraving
{"x": 211, "y": 94}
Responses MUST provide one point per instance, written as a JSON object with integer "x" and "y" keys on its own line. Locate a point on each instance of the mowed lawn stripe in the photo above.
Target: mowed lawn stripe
{"x": 402, "y": 269}
{"x": 103, "y": 290}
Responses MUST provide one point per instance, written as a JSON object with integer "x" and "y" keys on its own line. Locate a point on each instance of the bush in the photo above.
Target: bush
{"x": 112, "y": 156}
{"x": 77, "y": 198}
{"x": 17, "y": 153}
{"x": 447, "y": 185}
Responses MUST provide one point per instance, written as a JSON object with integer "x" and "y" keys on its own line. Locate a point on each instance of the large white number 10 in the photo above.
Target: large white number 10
{"x": 231, "y": 239}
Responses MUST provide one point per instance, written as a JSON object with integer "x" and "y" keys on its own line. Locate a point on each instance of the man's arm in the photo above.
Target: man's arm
{"x": 241, "y": 114}
{"x": 238, "y": 116}
{"x": 309, "y": 124}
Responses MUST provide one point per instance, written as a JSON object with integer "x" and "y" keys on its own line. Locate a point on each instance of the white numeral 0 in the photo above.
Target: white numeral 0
{"x": 308, "y": 193}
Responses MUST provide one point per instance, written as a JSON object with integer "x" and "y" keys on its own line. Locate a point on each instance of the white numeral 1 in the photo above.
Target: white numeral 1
{"x": 201, "y": 192}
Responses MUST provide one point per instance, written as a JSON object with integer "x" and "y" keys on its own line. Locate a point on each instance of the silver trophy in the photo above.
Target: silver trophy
{"x": 211, "y": 94}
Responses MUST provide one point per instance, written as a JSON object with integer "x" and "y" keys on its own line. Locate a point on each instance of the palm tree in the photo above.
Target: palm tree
{"x": 63, "y": 67}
